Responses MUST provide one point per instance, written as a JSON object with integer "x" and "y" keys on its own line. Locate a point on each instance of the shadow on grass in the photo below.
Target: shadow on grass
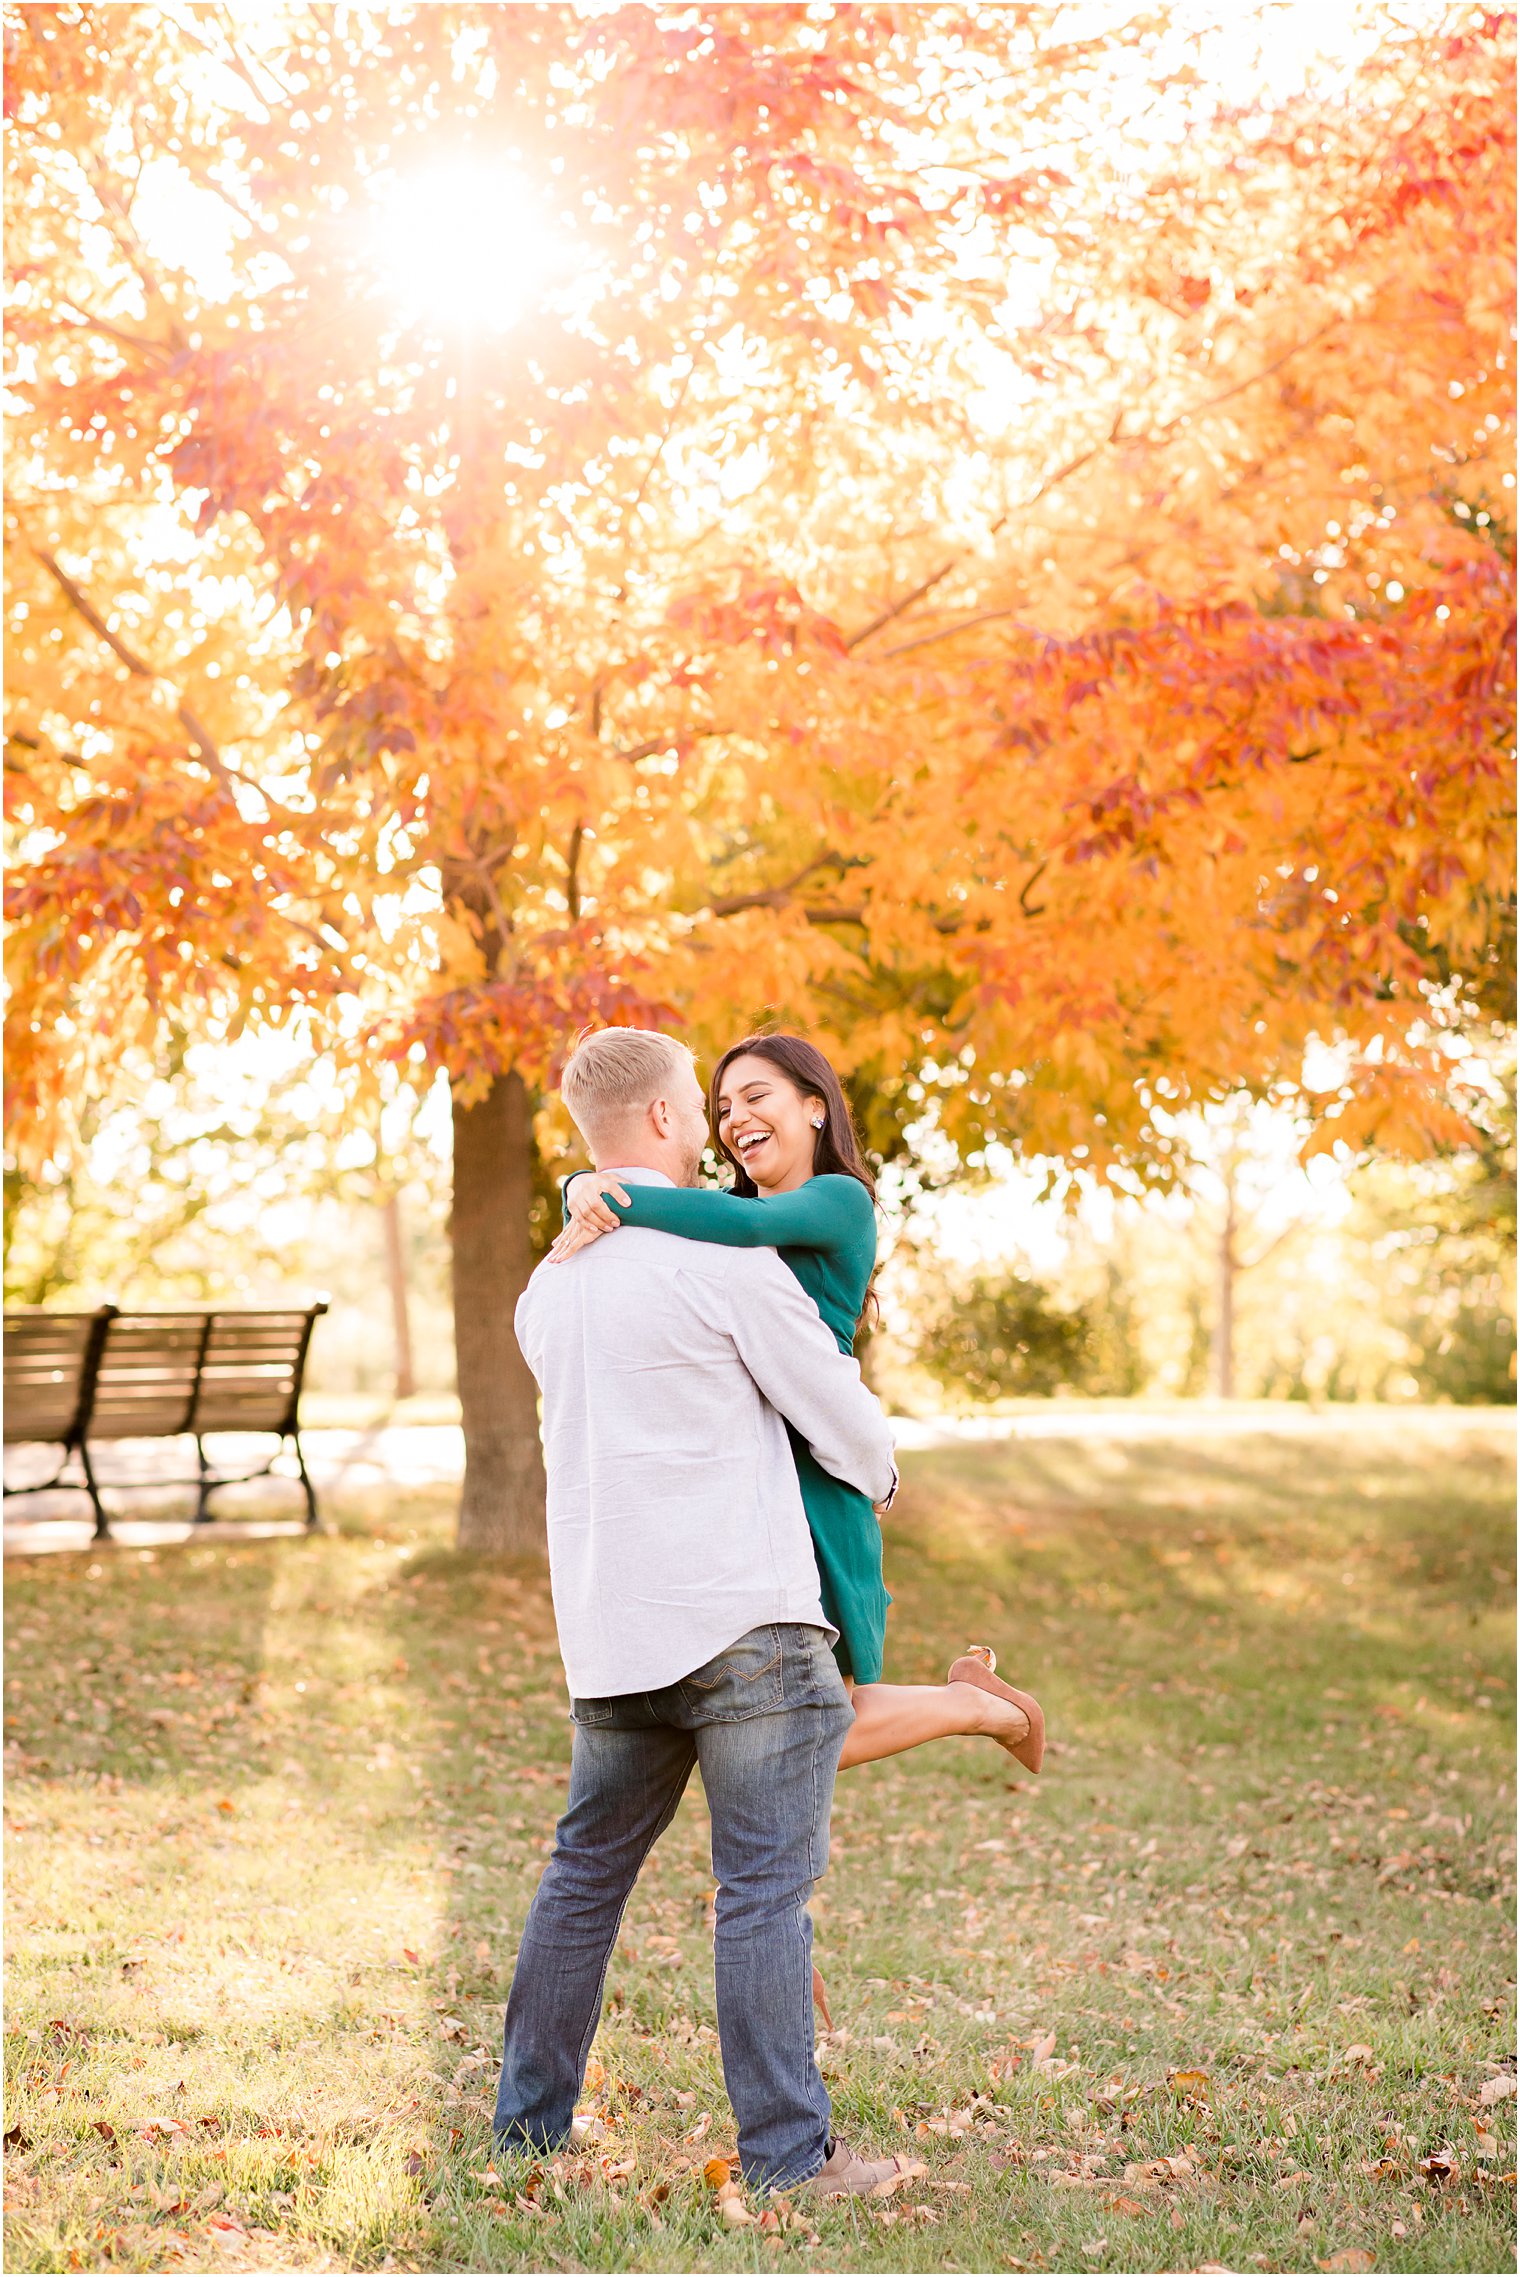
{"x": 1269, "y": 1834}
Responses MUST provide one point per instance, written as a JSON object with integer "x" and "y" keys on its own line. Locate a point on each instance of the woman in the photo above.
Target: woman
{"x": 802, "y": 1188}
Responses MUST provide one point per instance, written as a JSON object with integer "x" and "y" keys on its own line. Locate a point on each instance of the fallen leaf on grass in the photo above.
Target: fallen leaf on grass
{"x": 716, "y": 2172}
{"x": 225, "y": 2225}
{"x": 17, "y": 2140}
{"x": 1359, "y": 2054}
{"x": 1350, "y": 2257}
{"x": 1155, "y": 2171}
{"x": 105, "y": 2130}
{"x": 1044, "y": 2048}
{"x": 596, "y": 2076}
{"x": 1130, "y": 2206}
{"x": 1188, "y": 2082}
{"x": 416, "y": 2162}
{"x": 491, "y": 2180}
{"x": 1496, "y": 2090}
{"x": 229, "y": 1808}
{"x": 736, "y": 2214}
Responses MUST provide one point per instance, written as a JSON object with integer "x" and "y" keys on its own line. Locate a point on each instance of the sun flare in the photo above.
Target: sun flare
{"x": 468, "y": 244}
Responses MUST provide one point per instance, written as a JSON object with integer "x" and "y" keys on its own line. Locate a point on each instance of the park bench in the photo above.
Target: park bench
{"x": 74, "y": 1379}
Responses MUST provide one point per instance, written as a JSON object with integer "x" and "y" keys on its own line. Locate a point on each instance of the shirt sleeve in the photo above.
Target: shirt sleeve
{"x": 828, "y": 1213}
{"x": 780, "y": 1336}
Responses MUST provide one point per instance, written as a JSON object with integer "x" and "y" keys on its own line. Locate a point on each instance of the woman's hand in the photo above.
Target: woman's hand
{"x": 590, "y": 1217}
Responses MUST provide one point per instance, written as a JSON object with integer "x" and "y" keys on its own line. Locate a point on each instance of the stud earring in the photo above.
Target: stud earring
{"x": 819, "y": 1121}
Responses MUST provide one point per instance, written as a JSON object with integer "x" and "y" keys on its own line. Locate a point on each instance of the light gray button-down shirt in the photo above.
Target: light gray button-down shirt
{"x": 675, "y": 1517}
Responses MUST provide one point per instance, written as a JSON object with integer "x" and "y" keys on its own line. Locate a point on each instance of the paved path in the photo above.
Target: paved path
{"x": 432, "y": 1454}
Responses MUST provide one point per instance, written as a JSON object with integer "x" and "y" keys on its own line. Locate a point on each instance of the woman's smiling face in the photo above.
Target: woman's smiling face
{"x": 766, "y": 1123}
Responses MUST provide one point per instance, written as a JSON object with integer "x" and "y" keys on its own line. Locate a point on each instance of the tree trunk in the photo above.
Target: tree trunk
{"x": 1224, "y": 1303}
{"x": 395, "y": 1274}
{"x": 502, "y": 1507}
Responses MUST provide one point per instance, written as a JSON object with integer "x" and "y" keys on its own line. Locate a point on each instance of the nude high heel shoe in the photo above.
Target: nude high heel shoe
{"x": 975, "y": 1666}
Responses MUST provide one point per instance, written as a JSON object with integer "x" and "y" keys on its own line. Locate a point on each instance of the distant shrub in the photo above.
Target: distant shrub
{"x": 1003, "y": 1336}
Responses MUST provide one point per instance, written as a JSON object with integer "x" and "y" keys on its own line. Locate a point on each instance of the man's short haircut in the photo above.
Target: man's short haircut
{"x": 615, "y": 1074}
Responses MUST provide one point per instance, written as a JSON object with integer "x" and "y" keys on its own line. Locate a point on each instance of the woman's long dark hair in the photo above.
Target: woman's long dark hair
{"x": 836, "y": 1148}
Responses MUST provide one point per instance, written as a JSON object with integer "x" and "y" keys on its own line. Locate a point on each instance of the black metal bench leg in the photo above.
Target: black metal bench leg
{"x": 202, "y": 1509}
{"x": 102, "y": 1530}
{"x": 311, "y": 1492}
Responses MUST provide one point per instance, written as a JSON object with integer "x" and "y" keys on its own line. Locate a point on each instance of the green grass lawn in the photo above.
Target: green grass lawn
{"x": 1230, "y": 1984}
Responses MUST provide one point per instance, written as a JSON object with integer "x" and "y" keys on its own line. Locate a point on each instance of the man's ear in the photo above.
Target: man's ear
{"x": 662, "y": 1117}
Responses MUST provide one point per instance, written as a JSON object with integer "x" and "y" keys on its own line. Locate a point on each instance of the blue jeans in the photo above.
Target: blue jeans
{"x": 765, "y": 1721}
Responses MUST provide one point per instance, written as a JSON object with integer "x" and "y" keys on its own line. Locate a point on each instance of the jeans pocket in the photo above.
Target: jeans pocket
{"x": 747, "y": 1679}
{"x": 591, "y": 1711}
{"x": 812, "y": 1673}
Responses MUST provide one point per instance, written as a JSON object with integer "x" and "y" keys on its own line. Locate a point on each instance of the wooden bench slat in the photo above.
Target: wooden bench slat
{"x": 50, "y": 1364}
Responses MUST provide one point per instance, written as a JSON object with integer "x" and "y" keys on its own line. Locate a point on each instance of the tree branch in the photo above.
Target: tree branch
{"x": 829, "y": 913}
{"x": 1252, "y": 379}
{"x": 676, "y": 409}
{"x": 781, "y": 896}
{"x": 1074, "y": 466}
{"x": 948, "y": 632}
{"x": 204, "y": 743}
{"x": 120, "y": 227}
{"x": 572, "y": 872}
{"x": 646, "y": 750}
{"x": 1027, "y": 888}
{"x": 80, "y": 320}
{"x": 938, "y": 576}
{"x": 1249, "y": 1264}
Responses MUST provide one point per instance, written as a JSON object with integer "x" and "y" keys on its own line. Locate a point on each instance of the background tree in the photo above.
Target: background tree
{"x": 797, "y": 567}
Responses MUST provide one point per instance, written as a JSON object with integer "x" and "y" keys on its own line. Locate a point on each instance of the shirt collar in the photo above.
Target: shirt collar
{"x": 638, "y": 1177}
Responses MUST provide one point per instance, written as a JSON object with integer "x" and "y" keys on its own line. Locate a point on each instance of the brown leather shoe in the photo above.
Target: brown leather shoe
{"x": 843, "y": 2175}
{"x": 975, "y": 1666}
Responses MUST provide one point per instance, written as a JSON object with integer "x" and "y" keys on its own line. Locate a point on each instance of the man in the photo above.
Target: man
{"x": 690, "y": 1623}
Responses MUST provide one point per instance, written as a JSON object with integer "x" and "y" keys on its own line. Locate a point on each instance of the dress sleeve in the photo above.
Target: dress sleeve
{"x": 783, "y": 1342}
{"x": 829, "y": 1213}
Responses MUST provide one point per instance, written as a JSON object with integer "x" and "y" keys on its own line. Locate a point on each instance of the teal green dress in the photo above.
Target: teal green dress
{"x": 826, "y": 1232}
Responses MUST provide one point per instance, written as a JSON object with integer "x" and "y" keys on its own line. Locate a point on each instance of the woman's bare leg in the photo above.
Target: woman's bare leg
{"x": 890, "y": 1718}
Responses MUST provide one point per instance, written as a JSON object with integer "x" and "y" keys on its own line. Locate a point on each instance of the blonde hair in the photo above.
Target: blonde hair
{"x": 614, "y": 1075}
